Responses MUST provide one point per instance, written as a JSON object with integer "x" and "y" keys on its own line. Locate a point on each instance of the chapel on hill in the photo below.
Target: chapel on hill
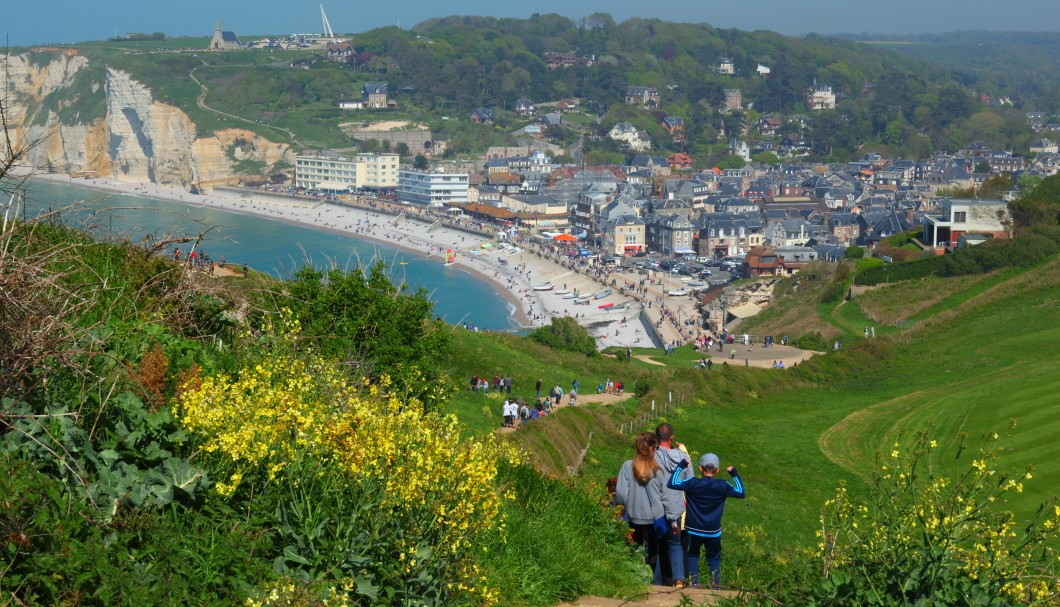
{"x": 224, "y": 41}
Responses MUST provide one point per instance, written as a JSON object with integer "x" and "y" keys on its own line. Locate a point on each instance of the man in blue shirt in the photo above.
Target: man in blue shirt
{"x": 705, "y": 503}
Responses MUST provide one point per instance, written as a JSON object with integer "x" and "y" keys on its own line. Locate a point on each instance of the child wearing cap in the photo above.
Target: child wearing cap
{"x": 705, "y": 499}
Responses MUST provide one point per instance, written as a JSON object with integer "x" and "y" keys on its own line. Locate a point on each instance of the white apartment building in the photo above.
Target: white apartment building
{"x": 434, "y": 189}
{"x": 341, "y": 173}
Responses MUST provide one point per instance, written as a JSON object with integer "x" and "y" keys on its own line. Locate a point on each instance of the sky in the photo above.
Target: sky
{"x": 27, "y": 22}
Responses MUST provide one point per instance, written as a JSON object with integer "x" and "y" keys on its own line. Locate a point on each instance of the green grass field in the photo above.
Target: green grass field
{"x": 983, "y": 355}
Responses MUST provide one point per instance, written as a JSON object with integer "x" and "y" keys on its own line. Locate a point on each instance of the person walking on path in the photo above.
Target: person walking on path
{"x": 639, "y": 491}
{"x": 706, "y": 504}
{"x": 668, "y": 456}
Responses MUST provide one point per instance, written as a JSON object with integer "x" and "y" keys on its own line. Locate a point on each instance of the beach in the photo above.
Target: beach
{"x": 537, "y": 278}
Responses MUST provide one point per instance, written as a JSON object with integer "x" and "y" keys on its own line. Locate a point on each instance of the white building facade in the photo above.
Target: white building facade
{"x": 341, "y": 173}
{"x": 434, "y": 189}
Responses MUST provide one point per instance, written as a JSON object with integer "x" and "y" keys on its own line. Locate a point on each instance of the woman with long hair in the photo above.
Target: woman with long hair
{"x": 639, "y": 491}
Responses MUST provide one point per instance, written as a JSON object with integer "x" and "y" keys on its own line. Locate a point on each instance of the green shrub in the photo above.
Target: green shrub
{"x": 923, "y": 538}
{"x": 565, "y": 334}
{"x": 811, "y": 341}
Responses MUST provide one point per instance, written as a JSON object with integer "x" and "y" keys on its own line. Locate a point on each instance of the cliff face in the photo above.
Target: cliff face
{"x": 137, "y": 138}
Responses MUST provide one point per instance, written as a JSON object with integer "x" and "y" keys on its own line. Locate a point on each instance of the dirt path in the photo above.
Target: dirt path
{"x": 583, "y": 399}
{"x": 658, "y": 596}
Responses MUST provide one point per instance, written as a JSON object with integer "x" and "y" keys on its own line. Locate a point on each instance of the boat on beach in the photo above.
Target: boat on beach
{"x": 547, "y": 286}
{"x": 677, "y": 292}
{"x": 606, "y": 306}
{"x": 572, "y": 295}
{"x": 562, "y": 293}
{"x": 602, "y": 294}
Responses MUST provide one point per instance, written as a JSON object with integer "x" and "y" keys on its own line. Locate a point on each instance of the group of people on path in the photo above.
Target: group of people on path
{"x": 672, "y": 514}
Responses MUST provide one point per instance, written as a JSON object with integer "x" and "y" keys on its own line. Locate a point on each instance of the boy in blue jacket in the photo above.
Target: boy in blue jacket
{"x": 705, "y": 499}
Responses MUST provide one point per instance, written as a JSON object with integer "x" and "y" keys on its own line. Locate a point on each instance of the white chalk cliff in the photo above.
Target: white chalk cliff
{"x": 138, "y": 139}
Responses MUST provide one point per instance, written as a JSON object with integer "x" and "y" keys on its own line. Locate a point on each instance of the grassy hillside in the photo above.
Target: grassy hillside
{"x": 172, "y": 400}
{"x": 968, "y": 368}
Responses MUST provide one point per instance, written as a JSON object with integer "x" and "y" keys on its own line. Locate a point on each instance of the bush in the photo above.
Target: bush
{"x": 923, "y": 539}
{"x": 368, "y": 491}
{"x": 811, "y": 341}
{"x": 565, "y": 334}
{"x": 854, "y": 252}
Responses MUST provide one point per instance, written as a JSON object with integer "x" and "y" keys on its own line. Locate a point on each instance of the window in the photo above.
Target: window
{"x": 960, "y": 216}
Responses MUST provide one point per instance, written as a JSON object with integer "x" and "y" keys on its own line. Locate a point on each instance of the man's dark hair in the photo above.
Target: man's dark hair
{"x": 664, "y": 432}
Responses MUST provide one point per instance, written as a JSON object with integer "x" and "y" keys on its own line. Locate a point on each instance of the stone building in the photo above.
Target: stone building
{"x": 224, "y": 41}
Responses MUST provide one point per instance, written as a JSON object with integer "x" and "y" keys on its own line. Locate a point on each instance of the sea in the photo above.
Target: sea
{"x": 276, "y": 247}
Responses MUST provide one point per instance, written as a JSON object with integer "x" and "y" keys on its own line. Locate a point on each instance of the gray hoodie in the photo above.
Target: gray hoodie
{"x": 640, "y": 509}
{"x": 673, "y": 501}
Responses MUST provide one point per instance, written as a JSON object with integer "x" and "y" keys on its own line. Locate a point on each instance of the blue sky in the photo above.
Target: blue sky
{"x": 27, "y": 22}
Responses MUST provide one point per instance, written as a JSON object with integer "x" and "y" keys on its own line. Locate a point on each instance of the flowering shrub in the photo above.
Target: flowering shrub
{"x": 370, "y": 490}
{"x": 923, "y": 537}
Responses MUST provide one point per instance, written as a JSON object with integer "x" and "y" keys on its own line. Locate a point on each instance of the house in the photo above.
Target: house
{"x": 788, "y": 232}
{"x": 675, "y": 126}
{"x": 670, "y": 235}
{"x": 1005, "y": 162}
{"x": 761, "y": 261}
{"x": 566, "y": 106}
{"x": 740, "y": 148}
{"x": 339, "y": 52}
{"x": 844, "y": 228}
{"x": 656, "y": 165}
{"x": 728, "y": 235}
{"x": 793, "y": 259}
{"x": 679, "y": 161}
{"x": 821, "y": 98}
{"x": 877, "y": 225}
{"x": 762, "y": 71}
{"x": 726, "y": 66}
{"x": 1045, "y": 146}
{"x": 374, "y": 95}
{"x": 693, "y": 191}
{"x": 625, "y": 132}
{"x": 557, "y": 60}
{"x": 733, "y": 100}
{"x": 623, "y": 235}
{"x": 482, "y": 115}
{"x": 524, "y": 107}
{"x": 644, "y": 96}
{"x": 959, "y": 217}
{"x": 768, "y": 127}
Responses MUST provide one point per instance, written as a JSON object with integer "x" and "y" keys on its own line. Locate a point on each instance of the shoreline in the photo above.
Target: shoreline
{"x": 511, "y": 276}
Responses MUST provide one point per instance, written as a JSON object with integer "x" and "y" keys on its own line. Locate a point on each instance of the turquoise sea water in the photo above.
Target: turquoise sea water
{"x": 278, "y": 247}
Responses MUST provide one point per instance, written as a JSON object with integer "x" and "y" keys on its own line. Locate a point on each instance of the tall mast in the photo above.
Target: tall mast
{"x": 327, "y": 26}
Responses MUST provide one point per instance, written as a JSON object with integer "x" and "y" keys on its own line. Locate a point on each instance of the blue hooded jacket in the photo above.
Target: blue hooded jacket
{"x": 705, "y": 499}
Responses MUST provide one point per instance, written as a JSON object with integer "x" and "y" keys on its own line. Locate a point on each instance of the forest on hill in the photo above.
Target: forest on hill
{"x": 443, "y": 69}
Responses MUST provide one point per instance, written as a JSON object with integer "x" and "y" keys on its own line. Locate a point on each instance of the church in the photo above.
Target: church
{"x": 224, "y": 41}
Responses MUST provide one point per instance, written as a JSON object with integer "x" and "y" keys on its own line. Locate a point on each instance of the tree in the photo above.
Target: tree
{"x": 766, "y": 158}
{"x": 371, "y": 323}
{"x": 402, "y": 149}
{"x": 420, "y": 162}
{"x": 982, "y": 167}
{"x": 564, "y": 333}
{"x": 732, "y": 162}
